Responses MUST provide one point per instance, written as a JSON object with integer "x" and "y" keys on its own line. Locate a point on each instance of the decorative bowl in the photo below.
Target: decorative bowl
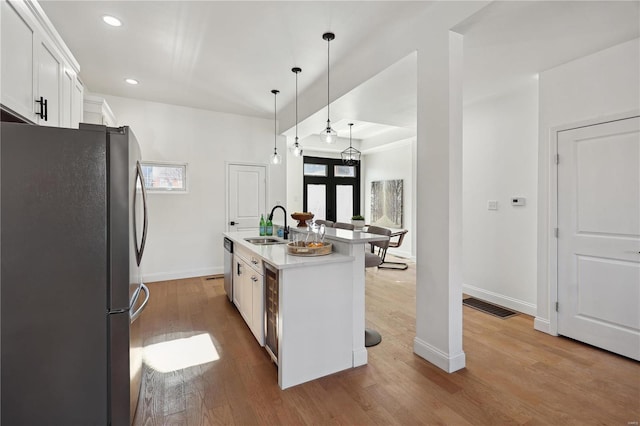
{"x": 301, "y": 217}
{"x": 301, "y": 248}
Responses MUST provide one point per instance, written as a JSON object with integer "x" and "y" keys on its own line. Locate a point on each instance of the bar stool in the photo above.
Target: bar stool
{"x": 371, "y": 336}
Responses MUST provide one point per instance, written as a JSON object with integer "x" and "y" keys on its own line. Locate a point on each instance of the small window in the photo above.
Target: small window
{"x": 165, "y": 177}
{"x": 344, "y": 171}
{"x": 315, "y": 169}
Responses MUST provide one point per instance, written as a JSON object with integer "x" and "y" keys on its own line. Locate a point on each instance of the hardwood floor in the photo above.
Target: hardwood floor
{"x": 514, "y": 374}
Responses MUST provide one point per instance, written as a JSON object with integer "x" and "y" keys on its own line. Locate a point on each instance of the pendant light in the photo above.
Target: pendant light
{"x": 296, "y": 149}
{"x": 275, "y": 157}
{"x": 328, "y": 135}
{"x": 350, "y": 156}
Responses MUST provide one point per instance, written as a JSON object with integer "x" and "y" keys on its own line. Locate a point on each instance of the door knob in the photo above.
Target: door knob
{"x": 232, "y": 223}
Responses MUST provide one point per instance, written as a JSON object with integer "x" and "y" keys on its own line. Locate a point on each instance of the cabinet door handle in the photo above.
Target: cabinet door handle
{"x": 253, "y": 278}
{"x": 238, "y": 267}
{"x": 254, "y": 261}
{"x": 43, "y": 108}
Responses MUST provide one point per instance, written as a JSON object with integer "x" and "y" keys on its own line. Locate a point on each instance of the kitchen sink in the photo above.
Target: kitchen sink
{"x": 265, "y": 241}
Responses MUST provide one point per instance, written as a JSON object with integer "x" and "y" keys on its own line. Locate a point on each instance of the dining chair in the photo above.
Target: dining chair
{"x": 401, "y": 266}
{"x": 344, "y": 225}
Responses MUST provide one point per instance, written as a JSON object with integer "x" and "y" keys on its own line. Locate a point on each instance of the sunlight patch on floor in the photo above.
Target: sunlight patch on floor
{"x": 178, "y": 354}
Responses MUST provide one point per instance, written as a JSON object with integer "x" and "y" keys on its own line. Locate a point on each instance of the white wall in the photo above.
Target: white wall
{"x": 500, "y": 161}
{"x": 394, "y": 162}
{"x": 185, "y": 229}
{"x": 596, "y": 86}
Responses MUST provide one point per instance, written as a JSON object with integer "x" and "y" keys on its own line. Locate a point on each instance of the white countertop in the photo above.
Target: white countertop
{"x": 276, "y": 254}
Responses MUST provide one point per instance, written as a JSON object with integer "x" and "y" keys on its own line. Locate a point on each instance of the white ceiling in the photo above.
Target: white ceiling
{"x": 227, "y": 56}
{"x": 216, "y": 55}
{"x": 508, "y": 42}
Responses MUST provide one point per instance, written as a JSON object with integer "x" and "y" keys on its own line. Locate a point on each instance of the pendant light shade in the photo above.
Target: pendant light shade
{"x": 328, "y": 135}
{"x": 296, "y": 148}
{"x": 350, "y": 156}
{"x": 275, "y": 157}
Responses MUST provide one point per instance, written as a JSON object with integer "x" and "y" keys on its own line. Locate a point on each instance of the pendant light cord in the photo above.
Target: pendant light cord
{"x": 296, "y": 107}
{"x": 275, "y": 117}
{"x": 328, "y": 112}
{"x": 350, "y": 126}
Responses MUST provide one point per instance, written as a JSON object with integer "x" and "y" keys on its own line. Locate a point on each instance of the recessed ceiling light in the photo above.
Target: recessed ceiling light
{"x": 131, "y": 81}
{"x": 111, "y": 20}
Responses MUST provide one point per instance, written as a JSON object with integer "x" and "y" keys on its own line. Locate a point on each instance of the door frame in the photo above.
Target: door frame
{"x": 227, "y": 166}
{"x": 552, "y": 261}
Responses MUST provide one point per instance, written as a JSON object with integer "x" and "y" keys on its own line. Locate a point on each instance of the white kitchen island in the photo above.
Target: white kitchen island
{"x": 321, "y": 304}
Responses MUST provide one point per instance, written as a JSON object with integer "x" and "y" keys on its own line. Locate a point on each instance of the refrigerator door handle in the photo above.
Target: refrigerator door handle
{"x": 138, "y": 311}
{"x": 140, "y": 249}
{"x": 134, "y": 299}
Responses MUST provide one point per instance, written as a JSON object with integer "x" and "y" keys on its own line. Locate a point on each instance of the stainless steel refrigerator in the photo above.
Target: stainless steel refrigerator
{"x": 73, "y": 229}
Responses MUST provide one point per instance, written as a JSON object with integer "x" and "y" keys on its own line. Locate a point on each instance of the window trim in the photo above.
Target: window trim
{"x": 168, "y": 164}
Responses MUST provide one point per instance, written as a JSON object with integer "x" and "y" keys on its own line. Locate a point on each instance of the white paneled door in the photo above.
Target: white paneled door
{"x": 599, "y": 235}
{"x": 247, "y": 187}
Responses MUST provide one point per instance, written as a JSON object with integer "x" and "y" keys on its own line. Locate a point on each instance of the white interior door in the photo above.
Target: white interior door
{"x": 247, "y": 196}
{"x": 599, "y": 235}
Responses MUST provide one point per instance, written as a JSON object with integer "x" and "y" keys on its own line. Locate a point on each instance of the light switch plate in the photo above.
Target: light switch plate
{"x": 518, "y": 201}
{"x": 492, "y": 205}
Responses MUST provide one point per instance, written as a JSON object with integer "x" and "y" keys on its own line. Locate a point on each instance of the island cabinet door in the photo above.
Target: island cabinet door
{"x": 237, "y": 281}
{"x": 257, "y": 297}
{"x": 243, "y": 289}
{"x": 246, "y": 305}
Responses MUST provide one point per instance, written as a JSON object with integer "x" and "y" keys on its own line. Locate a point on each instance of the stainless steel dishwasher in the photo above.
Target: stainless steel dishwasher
{"x": 228, "y": 268}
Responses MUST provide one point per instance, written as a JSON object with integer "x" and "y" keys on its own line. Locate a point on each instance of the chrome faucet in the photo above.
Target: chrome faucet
{"x": 285, "y": 231}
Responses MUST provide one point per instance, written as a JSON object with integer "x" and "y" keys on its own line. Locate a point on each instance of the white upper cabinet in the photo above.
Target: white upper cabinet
{"x": 18, "y": 84}
{"x": 49, "y": 87}
{"x": 71, "y": 100}
{"x": 97, "y": 111}
{"x": 39, "y": 73}
{"x": 77, "y": 112}
{"x": 66, "y": 99}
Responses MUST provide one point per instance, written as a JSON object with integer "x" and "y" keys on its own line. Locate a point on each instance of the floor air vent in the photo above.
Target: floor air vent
{"x": 488, "y": 308}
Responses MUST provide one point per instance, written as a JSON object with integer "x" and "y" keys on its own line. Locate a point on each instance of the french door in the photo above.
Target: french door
{"x": 331, "y": 189}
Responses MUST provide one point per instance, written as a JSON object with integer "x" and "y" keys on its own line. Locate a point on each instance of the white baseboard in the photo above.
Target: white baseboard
{"x": 359, "y": 357}
{"x": 438, "y": 358}
{"x": 176, "y": 275}
{"x": 544, "y": 325}
{"x": 500, "y": 299}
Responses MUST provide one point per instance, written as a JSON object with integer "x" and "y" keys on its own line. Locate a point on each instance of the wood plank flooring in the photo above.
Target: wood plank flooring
{"x": 514, "y": 374}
